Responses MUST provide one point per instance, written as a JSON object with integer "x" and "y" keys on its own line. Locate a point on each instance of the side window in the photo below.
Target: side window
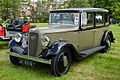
{"x": 90, "y": 19}
{"x": 99, "y": 19}
{"x": 106, "y": 19}
{"x": 87, "y": 20}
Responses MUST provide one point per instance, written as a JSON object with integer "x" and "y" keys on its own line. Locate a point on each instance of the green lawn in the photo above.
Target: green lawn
{"x": 40, "y": 24}
{"x": 3, "y": 45}
{"x": 96, "y": 67}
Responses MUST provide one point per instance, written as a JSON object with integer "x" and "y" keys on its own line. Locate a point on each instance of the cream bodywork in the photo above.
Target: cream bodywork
{"x": 98, "y": 34}
{"x": 81, "y": 40}
{"x": 90, "y": 38}
{"x": 69, "y": 34}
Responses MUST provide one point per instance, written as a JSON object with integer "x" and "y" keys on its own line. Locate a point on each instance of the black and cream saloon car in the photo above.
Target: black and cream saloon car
{"x": 73, "y": 33}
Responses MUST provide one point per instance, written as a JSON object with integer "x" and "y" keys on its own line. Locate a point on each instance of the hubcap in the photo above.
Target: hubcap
{"x": 65, "y": 61}
{"x": 108, "y": 45}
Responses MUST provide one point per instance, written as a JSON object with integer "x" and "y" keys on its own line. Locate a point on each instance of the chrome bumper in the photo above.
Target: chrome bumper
{"x": 36, "y": 59}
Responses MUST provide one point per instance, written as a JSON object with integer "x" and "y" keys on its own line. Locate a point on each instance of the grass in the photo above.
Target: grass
{"x": 3, "y": 45}
{"x": 96, "y": 67}
{"x": 40, "y": 24}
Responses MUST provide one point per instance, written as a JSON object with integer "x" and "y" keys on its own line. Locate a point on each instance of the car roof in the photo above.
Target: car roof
{"x": 81, "y": 10}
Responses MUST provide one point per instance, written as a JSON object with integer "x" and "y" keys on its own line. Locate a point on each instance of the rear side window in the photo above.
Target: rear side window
{"x": 106, "y": 19}
{"x": 99, "y": 21}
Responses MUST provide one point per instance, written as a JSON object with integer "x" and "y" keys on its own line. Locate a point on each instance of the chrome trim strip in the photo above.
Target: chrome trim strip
{"x": 36, "y": 59}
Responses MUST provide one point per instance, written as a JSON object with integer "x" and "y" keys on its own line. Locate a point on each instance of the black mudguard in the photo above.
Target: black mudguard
{"x": 107, "y": 32}
{"x": 57, "y": 46}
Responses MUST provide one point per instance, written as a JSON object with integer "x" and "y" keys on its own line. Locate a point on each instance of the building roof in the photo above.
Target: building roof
{"x": 82, "y": 10}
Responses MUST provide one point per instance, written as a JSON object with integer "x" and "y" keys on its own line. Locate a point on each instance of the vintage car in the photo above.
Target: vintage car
{"x": 9, "y": 28}
{"x": 73, "y": 33}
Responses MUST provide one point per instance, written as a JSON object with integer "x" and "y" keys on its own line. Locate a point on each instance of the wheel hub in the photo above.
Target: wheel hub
{"x": 65, "y": 61}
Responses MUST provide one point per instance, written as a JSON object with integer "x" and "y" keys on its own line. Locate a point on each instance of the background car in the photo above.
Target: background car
{"x": 9, "y": 28}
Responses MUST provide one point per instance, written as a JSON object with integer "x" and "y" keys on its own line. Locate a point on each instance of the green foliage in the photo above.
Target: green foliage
{"x": 78, "y": 3}
{"x": 9, "y": 8}
{"x": 112, "y": 5}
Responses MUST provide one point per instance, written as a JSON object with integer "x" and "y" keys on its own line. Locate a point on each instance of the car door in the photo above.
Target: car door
{"x": 100, "y": 28}
{"x": 86, "y": 34}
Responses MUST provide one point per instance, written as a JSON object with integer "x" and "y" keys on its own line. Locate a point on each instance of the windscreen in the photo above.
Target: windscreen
{"x": 64, "y": 18}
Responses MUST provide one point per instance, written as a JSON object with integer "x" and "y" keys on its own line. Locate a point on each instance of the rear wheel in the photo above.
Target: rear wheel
{"x": 61, "y": 63}
{"x": 107, "y": 44}
{"x": 14, "y": 60}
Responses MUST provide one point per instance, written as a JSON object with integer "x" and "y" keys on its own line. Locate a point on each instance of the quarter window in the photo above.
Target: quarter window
{"x": 106, "y": 19}
{"x": 99, "y": 19}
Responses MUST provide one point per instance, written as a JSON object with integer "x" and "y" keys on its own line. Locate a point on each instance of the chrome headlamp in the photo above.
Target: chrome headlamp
{"x": 18, "y": 37}
{"x": 45, "y": 41}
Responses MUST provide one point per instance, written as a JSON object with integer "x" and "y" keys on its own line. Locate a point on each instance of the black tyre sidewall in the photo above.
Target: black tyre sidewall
{"x": 106, "y": 43}
{"x": 14, "y": 60}
{"x": 54, "y": 62}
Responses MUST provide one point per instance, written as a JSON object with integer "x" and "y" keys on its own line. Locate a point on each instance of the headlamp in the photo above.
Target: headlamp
{"x": 45, "y": 41}
{"x": 18, "y": 37}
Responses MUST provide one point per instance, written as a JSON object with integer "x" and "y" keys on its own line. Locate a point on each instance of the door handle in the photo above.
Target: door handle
{"x": 94, "y": 30}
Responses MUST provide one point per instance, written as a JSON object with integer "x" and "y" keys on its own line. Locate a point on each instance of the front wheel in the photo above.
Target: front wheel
{"x": 14, "y": 60}
{"x": 61, "y": 62}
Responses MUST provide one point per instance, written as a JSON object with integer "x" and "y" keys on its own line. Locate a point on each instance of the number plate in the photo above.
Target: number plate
{"x": 27, "y": 62}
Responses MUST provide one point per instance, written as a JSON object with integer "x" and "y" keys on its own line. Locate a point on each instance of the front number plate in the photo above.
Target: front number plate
{"x": 27, "y": 62}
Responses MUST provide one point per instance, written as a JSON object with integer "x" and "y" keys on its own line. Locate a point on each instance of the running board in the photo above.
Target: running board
{"x": 90, "y": 51}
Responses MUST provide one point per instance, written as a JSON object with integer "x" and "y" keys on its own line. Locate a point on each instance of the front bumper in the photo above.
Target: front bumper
{"x": 36, "y": 59}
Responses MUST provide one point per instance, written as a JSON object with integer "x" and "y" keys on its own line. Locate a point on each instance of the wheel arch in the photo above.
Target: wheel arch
{"x": 106, "y": 33}
{"x": 57, "y": 46}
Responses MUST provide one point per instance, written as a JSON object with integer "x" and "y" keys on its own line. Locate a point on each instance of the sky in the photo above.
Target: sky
{"x": 34, "y": 0}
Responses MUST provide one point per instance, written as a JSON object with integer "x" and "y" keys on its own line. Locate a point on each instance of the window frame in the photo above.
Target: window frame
{"x": 108, "y": 18}
{"x": 86, "y": 26}
{"x": 103, "y": 19}
{"x": 94, "y": 21}
{"x": 63, "y": 13}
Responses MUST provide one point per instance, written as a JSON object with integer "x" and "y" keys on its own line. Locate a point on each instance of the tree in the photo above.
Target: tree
{"x": 91, "y": 2}
{"x": 112, "y": 5}
{"x": 10, "y": 8}
{"x": 78, "y": 3}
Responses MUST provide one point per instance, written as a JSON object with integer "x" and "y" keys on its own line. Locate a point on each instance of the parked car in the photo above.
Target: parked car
{"x": 113, "y": 21}
{"x": 9, "y": 28}
{"x": 4, "y": 34}
{"x": 73, "y": 33}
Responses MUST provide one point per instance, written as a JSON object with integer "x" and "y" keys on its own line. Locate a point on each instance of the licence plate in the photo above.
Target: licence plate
{"x": 27, "y": 62}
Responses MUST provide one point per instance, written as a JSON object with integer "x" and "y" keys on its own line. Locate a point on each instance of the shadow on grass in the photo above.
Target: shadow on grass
{"x": 86, "y": 59}
{"x": 45, "y": 70}
{"x": 38, "y": 69}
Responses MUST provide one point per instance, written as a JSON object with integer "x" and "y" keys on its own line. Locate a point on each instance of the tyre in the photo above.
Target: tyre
{"x": 60, "y": 64}
{"x": 107, "y": 44}
{"x": 14, "y": 60}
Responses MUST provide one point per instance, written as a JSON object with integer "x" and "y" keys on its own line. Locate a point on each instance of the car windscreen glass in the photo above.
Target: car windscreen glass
{"x": 64, "y": 18}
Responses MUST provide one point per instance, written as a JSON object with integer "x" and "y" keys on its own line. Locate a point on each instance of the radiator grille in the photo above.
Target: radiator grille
{"x": 33, "y": 42}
